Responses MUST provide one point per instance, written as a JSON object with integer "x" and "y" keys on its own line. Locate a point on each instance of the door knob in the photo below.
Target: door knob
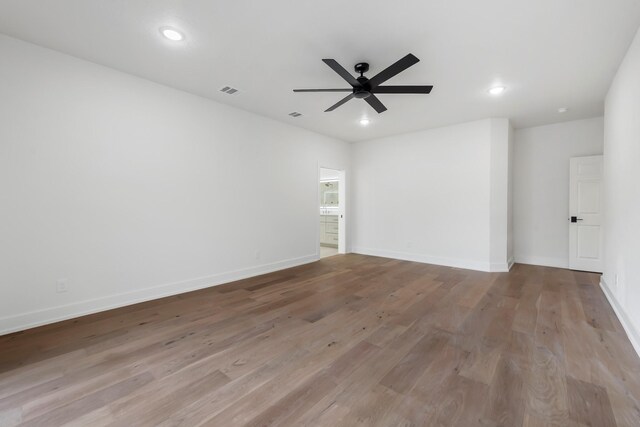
{"x": 576, "y": 219}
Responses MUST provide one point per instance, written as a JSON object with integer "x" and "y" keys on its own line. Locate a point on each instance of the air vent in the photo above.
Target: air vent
{"x": 228, "y": 90}
{"x": 295, "y": 114}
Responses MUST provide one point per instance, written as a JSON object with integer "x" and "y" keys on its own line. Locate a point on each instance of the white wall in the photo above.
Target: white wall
{"x": 499, "y": 191}
{"x": 541, "y": 187}
{"x": 131, "y": 190}
{"x": 326, "y": 174}
{"x": 621, "y": 277}
{"x": 510, "y": 231}
{"x": 427, "y": 196}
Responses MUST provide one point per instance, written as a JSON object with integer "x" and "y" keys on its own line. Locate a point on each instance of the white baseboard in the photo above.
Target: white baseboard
{"x": 428, "y": 259}
{"x": 543, "y": 261}
{"x": 631, "y": 331}
{"x": 510, "y": 263}
{"x": 35, "y": 318}
{"x": 500, "y": 267}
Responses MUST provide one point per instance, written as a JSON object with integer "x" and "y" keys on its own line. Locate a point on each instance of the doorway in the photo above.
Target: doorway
{"x": 585, "y": 210}
{"x": 331, "y": 191}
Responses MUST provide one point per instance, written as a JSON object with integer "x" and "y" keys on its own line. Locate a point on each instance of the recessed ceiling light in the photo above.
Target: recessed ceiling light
{"x": 562, "y": 110}
{"x": 497, "y": 90}
{"x": 172, "y": 34}
{"x": 365, "y": 121}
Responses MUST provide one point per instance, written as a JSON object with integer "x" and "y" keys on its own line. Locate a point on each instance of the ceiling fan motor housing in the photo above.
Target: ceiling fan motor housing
{"x": 364, "y": 91}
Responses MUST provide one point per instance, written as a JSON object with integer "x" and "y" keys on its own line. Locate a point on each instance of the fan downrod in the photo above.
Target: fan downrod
{"x": 361, "y": 67}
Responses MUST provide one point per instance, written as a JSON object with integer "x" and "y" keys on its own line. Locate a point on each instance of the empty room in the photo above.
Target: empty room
{"x": 329, "y": 213}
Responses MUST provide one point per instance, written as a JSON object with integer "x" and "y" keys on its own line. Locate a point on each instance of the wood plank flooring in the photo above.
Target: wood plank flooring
{"x": 349, "y": 340}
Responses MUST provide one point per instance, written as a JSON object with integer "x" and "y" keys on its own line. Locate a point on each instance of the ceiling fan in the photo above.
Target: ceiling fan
{"x": 364, "y": 88}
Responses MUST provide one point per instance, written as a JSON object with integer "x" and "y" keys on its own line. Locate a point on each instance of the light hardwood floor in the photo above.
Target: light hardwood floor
{"x": 349, "y": 340}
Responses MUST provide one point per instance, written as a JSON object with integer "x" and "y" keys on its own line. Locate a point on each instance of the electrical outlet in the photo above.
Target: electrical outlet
{"x": 61, "y": 286}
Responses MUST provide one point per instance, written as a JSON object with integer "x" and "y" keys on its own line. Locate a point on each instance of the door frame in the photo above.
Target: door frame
{"x": 342, "y": 211}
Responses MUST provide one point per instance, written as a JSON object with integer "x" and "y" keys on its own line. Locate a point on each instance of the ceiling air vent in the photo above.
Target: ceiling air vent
{"x": 228, "y": 90}
{"x": 295, "y": 114}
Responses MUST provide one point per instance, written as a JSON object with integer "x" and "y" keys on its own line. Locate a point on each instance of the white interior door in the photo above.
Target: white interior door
{"x": 585, "y": 210}
{"x": 342, "y": 228}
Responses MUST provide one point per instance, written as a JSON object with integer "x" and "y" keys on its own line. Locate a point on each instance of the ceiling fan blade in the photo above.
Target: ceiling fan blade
{"x": 393, "y": 70}
{"x": 403, "y": 89}
{"x": 342, "y": 72}
{"x": 323, "y": 90}
{"x": 339, "y": 103}
{"x": 375, "y": 103}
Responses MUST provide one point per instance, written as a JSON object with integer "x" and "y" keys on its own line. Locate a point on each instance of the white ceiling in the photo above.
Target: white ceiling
{"x": 549, "y": 53}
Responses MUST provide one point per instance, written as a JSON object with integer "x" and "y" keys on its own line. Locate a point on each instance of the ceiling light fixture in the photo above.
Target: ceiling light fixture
{"x": 172, "y": 34}
{"x": 364, "y": 122}
{"x": 497, "y": 90}
{"x": 562, "y": 110}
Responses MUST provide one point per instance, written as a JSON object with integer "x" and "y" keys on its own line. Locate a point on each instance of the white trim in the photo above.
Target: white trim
{"x": 632, "y": 333}
{"x": 499, "y": 267}
{"x": 428, "y": 259}
{"x": 544, "y": 261}
{"x": 35, "y": 318}
{"x": 510, "y": 263}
